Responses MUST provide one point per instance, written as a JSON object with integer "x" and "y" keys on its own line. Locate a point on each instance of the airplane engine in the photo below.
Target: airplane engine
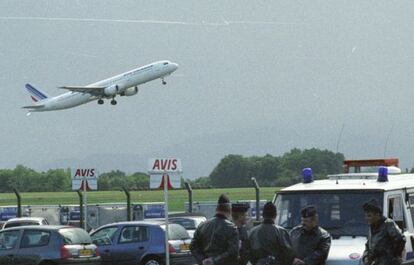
{"x": 111, "y": 90}
{"x": 130, "y": 91}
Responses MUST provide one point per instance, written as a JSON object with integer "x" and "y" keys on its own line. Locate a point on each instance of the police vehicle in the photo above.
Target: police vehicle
{"x": 339, "y": 199}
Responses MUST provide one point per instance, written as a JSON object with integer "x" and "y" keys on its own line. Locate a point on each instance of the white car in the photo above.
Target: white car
{"x": 24, "y": 221}
{"x": 189, "y": 222}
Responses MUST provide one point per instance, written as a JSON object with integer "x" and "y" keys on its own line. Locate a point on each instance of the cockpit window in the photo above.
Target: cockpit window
{"x": 166, "y": 63}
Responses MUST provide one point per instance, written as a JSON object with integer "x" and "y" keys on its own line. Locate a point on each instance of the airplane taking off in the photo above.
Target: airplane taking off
{"x": 125, "y": 84}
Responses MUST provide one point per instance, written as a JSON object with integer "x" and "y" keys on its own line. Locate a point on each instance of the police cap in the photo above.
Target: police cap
{"x": 372, "y": 206}
{"x": 269, "y": 210}
{"x": 223, "y": 199}
{"x": 308, "y": 211}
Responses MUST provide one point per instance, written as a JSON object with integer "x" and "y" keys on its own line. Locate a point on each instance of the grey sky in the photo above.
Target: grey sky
{"x": 255, "y": 77}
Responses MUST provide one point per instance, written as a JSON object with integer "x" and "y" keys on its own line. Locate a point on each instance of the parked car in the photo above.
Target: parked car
{"x": 23, "y": 221}
{"x": 142, "y": 243}
{"x": 47, "y": 245}
{"x": 189, "y": 221}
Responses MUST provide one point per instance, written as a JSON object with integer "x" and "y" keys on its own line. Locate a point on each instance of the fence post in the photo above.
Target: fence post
{"x": 128, "y": 195}
{"x": 80, "y": 208}
{"x": 19, "y": 203}
{"x": 190, "y": 196}
{"x": 257, "y": 188}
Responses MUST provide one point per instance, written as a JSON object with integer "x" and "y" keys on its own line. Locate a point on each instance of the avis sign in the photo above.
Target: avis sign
{"x": 84, "y": 176}
{"x": 160, "y": 168}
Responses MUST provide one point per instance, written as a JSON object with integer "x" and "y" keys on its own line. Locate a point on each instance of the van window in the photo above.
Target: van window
{"x": 396, "y": 210}
{"x": 340, "y": 212}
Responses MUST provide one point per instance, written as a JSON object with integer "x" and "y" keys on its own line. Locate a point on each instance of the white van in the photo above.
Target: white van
{"x": 339, "y": 200}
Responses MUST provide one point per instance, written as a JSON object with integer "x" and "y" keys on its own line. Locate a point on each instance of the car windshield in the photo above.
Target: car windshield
{"x": 340, "y": 212}
{"x": 75, "y": 236}
{"x": 20, "y": 223}
{"x": 187, "y": 223}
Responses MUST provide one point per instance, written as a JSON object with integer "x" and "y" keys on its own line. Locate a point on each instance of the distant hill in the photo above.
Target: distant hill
{"x": 200, "y": 155}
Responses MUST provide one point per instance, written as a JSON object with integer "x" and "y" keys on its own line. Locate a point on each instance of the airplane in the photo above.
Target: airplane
{"x": 125, "y": 84}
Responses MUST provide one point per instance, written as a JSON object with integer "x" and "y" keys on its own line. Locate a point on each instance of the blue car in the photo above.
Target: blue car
{"x": 142, "y": 243}
{"x": 47, "y": 245}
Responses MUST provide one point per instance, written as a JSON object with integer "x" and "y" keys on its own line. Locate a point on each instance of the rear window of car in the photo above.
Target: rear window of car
{"x": 24, "y": 223}
{"x": 75, "y": 236}
{"x": 188, "y": 224}
{"x": 177, "y": 232}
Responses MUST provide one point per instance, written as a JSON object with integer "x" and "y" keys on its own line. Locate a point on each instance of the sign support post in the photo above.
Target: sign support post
{"x": 82, "y": 179}
{"x": 167, "y": 249}
{"x": 85, "y": 203}
{"x": 165, "y": 172}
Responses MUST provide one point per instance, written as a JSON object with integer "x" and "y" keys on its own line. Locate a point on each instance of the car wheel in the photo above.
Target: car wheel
{"x": 152, "y": 261}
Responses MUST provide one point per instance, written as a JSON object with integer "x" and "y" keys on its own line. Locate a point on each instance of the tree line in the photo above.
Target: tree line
{"x": 231, "y": 171}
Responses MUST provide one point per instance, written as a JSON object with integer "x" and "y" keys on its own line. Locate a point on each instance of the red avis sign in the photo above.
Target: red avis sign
{"x": 164, "y": 165}
{"x": 84, "y": 178}
{"x": 165, "y": 168}
{"x": 85, "y": 173}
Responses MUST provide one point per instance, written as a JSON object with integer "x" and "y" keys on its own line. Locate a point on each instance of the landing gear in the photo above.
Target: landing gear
{"x": 113, "y": 102}
{"x": 100, "y": 101}
{"x": 163, "y": 81}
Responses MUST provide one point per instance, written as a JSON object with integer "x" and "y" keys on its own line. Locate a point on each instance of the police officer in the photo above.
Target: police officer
{"x": 239, "y": 216}
{"x": 269, "y": 243}
{"x": 216, "y": 241}
{"x": 385, "y": 240}
{"x": 311, "y": 243}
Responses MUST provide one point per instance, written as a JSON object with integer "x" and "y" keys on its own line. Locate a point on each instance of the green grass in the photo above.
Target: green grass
{"x": 177, "y": 198}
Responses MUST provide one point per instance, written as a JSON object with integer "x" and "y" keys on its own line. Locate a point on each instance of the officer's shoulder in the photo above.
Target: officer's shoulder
{"x": 296, "y": 229}
{"x": 323, "y": 232}
{"x": 389, "y": 221}
{"x": 229, "y": 223}
{"x": 280, "y": 228}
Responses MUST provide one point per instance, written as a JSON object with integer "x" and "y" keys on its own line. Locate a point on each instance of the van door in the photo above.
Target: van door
{"x": 410, "y": 229}
{"x": 398, "y": 212}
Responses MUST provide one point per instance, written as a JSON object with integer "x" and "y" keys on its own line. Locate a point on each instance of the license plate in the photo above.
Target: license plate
{"x": 184, "y": 247}
{"x": 85, "y": 252}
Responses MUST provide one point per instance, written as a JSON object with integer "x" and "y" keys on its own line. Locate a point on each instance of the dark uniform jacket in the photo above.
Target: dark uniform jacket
{"x": 385, "y": 243}
{"x": 311, "y": 246}
{"x": 216, "y": 238}
{"x": 268, "y": 239}
{"x": 243, "y": 245}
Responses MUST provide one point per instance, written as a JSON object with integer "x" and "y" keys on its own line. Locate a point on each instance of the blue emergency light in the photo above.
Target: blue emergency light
{"x": 307, "y": 175}
{"x": 382, "y": 174}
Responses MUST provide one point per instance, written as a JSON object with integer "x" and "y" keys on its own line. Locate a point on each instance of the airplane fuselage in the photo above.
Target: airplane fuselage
{"x": 121, "y": 82}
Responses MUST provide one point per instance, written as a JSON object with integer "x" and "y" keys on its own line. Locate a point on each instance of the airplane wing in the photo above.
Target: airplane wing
{"x": 96, "y": 90}
{"x": 33, "y": 107}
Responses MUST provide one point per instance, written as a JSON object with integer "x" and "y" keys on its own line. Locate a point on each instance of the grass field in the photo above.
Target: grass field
{"x": 177, "y": 198}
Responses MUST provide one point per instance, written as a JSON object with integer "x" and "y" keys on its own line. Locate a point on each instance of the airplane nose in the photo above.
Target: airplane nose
{"x": 175, "y": 65}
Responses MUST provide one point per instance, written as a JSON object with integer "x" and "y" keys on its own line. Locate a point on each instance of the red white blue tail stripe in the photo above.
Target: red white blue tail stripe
{"x": 35, "y": 94}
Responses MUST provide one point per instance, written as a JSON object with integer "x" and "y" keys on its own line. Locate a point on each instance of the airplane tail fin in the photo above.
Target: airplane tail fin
{"x": 35, "y": 94}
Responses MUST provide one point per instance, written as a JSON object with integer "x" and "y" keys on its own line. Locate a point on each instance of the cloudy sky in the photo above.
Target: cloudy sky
{"x": 255, "y": 77}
